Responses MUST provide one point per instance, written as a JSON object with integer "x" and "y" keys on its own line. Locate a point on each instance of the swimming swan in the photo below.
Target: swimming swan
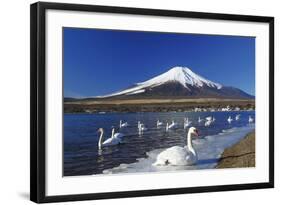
{"x": 121, "y": 124}
{"x": 109, "y": 142}
{"x": 158, "y": 124}
{"x": 251, "y": 119}
{"x": 141, "y": 127}
{"x": 209, "y": 121}
{"x": 237, "y": 117}
{"x": 209, "y": 118}
{"x": 229, "y": 119}
{"x": 116, "y": 135}
{"x": 173, "y": 125}
{"x": 186, "y": 123}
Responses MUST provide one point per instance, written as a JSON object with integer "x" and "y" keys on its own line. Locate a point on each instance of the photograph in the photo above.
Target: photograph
{"x": 143, "y": 101}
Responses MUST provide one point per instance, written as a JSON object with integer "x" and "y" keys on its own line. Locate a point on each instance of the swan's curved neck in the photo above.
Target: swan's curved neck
{"x": 100, "y": 139}
{"x": 112, "y": 132}
{"x": 189, "y": 143}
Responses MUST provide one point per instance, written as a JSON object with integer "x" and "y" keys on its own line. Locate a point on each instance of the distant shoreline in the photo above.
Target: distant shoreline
{"x": 157, "y": 105}
{"x": 242, "y": 154}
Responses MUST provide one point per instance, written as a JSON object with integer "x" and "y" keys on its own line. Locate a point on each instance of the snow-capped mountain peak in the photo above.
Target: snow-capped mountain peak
{"x": 183, "y": 75}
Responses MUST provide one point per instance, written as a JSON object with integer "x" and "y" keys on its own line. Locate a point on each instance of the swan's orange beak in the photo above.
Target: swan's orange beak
{"x": 196, "y": 132}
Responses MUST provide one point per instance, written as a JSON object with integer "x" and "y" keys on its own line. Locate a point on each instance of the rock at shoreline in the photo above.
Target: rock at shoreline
{"x": 239, "y": 155}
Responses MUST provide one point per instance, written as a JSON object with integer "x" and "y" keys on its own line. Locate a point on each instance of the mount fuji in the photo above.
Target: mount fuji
{"x": 179, "y": 82}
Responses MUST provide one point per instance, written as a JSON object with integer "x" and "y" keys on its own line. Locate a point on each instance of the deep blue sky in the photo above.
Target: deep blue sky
{"x": 98, "y": 62}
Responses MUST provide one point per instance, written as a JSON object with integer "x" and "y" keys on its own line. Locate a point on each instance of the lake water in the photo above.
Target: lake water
{"x": 137, "y": 151}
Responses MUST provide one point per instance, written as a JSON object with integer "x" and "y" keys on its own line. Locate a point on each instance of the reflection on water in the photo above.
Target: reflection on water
{"x": 82, "y": 156}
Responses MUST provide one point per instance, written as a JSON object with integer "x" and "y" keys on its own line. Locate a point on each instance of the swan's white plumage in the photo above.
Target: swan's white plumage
{"x": 237, "y": 117}
{"x": 209, "y": 118}
{"x": 208, "y": 123}
{"x": 186, "y": 123}
{"x": 176, "y": 156}
{"x": 118, "y": 135}
{"x": 179, "y": 156}
{"x": 173, "y": 125}
{"x": 123, "y": 124}
{"x": 111, "y": 141}
{"x": 251, "y": 119}
{"x": 229, "y": 119}
{"x": 158, "y": 123}
{"x": 141, "y": 127}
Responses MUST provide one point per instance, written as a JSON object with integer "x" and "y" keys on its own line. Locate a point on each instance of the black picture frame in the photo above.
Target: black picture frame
{"x": 38, "y": 103}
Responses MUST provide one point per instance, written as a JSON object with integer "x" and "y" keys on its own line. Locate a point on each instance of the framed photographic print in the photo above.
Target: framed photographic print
{"x": 129, "y": 102}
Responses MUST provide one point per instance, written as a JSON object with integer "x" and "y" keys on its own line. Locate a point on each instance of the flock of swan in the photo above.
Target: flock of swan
{"x": 175, "y": 155}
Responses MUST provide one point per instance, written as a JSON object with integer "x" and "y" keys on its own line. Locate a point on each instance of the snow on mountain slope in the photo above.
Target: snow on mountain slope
{"x": 182, "y": 75}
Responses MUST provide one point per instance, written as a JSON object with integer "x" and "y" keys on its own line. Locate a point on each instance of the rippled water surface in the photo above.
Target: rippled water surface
{"x": 82, "y": 156}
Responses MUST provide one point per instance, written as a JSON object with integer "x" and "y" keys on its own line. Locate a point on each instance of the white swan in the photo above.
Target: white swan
{"x": 158, "y": 124}
{"x": 173, "y": 125}
{"x": 208, "y": 123}
{"x": 116, "y": 135}
{"x": 199, "y": 120}
{"x": 250, "y": 119}
{"x": 121, "y": 124}
{"x": 186, "y": 123}
{"x": 229, "y": 119}
{"x": 140, "y": 124}
{"x": 237, "y": 117}
{"x": 141, "y": 127}
{"x": 109, "y": 142}
{"x": 179, "y": 156}
{"x": 209, "y": 118}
